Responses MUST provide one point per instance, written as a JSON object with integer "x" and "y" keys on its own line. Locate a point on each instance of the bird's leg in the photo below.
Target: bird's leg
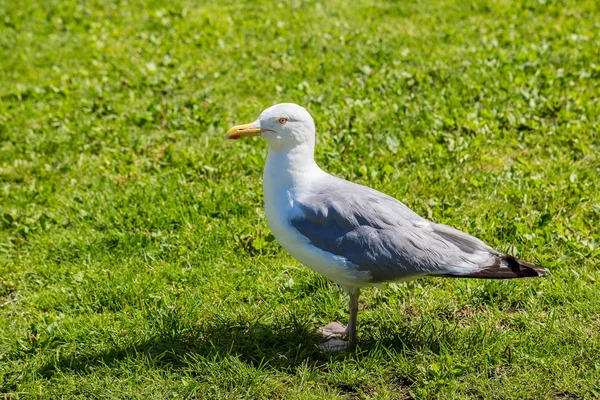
{"x": 335, "y": 330}
{"x": 353, "y": 316}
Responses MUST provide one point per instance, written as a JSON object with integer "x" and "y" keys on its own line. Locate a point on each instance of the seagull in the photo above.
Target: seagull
{"x": 352, "y": 234}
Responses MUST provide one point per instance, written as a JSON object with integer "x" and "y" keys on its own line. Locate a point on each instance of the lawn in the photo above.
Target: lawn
{"x": 135, "y": 258}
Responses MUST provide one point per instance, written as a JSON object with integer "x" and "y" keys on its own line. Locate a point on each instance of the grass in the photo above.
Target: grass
{"x": 135, "y": 259}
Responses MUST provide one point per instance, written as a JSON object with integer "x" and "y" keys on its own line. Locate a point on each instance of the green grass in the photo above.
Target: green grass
{"x": 135, "y": 259}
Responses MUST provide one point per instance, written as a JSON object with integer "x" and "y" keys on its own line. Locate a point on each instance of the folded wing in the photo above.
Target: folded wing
{"x": 381, "y": 235}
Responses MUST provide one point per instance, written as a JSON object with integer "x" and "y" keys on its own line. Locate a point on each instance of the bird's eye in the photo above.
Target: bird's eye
{"x": 282, "y": 120}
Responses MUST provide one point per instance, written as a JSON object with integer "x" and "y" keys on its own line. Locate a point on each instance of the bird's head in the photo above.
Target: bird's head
{"x": 284, "y": 125}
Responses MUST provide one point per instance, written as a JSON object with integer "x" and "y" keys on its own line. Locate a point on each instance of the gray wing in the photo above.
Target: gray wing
{"x": 381, "y": 235}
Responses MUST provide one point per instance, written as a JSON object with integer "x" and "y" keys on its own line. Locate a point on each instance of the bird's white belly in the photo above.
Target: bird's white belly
{"x": 280, "y": 209}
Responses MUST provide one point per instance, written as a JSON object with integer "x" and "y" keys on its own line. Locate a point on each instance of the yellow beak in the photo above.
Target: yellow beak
{"x": 240, "y": 131}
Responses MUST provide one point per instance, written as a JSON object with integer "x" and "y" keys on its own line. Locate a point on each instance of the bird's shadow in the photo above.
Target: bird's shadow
{"x": 256, "y": 343}
{"x": 281, "y": 346}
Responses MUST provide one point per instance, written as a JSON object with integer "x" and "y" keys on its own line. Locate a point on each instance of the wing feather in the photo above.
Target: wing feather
{"x": 381, "y": 235}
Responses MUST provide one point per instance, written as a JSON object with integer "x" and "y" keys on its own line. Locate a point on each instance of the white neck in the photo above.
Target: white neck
{"x": 288, "y": 173}
{"x": 288, "y": 167}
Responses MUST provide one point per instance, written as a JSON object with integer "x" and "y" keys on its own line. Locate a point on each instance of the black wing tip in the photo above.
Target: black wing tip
{"x": 523, "y": 268}
{"x": 507, "y": 267}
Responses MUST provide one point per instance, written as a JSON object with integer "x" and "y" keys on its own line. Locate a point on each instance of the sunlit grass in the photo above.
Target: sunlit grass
{"x": 135, "y": 259}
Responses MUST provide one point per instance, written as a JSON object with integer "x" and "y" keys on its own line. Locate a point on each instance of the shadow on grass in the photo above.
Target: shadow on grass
{"x": 281, "y": 346}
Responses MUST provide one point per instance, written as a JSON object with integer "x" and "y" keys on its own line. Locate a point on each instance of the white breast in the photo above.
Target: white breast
{"x": 280, "y": 206}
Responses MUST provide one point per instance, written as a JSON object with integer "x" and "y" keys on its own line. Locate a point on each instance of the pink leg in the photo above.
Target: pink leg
{"x": 335, "y": 330}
